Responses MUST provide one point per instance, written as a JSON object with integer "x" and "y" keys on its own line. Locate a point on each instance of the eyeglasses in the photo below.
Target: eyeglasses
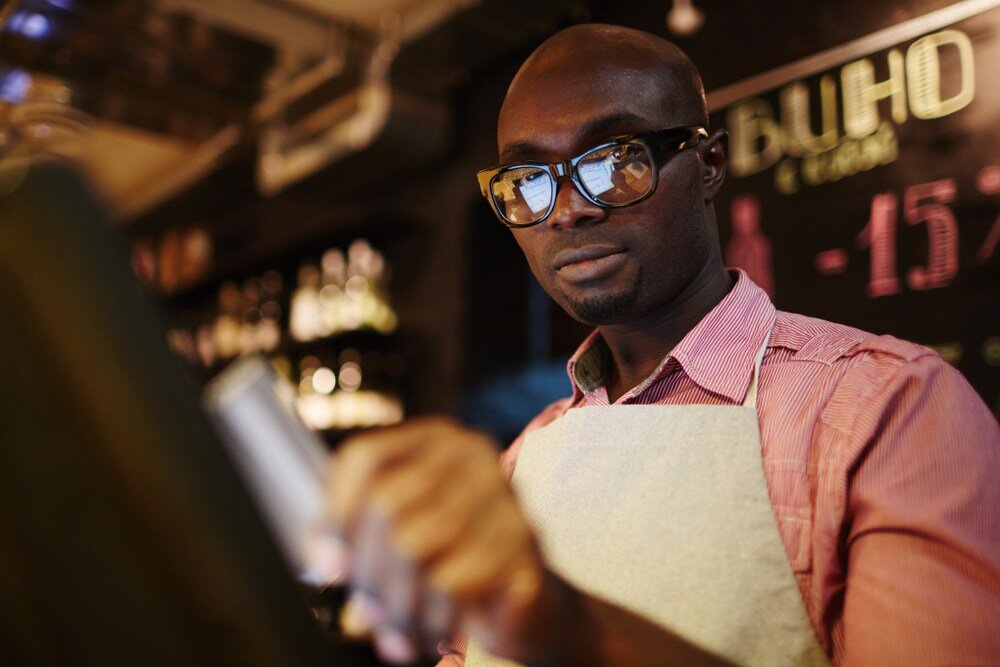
{"x": 619, "y": 172}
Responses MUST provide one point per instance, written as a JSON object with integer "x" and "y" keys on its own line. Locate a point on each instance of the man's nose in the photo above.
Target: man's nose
{"x": 572, "y": 208}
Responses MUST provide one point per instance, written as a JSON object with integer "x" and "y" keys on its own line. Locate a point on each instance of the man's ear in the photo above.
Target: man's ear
{"x": 715, "y": 157}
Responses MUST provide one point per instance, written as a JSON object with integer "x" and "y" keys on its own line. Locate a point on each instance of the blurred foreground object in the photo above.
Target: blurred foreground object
{"x": 126, "y": 536}
{"x": 282, "y": 461}
{"x": 150, "y": 97}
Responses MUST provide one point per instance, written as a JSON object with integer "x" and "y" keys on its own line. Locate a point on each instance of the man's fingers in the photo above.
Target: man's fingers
{"x": 356, "y": 463}
{"x": 399, "y": 489}
{"x": 439, "y": 619}
{"x": 389, "y": 567}
{"x": 444, "y": 521}
{"x": 495, "y": 548}
{"x": 362, "y": 459}
{"x": 433, "y": 531}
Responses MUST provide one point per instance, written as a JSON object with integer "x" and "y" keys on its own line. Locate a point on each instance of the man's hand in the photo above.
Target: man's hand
{"x": 435, "y": 541}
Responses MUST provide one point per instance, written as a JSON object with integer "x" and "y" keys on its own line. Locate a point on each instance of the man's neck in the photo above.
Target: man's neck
{"x": 638, "y": 347}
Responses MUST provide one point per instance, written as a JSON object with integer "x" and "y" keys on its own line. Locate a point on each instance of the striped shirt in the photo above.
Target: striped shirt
{"x": 882, "y": 465}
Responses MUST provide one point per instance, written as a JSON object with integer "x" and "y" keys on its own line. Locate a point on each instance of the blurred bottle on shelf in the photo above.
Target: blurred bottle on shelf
{"x": 303, "y": 325}
{"x": 226, "y": 332}
{"x": 181, "y": 339}
{"x": 340, "y": 399}
{"x": 205, "y": 343}
{"x": 342, "y": 294}
{"x": 269, "y": 327}
{"x": 304, "y": 312}
{"x": 366, "y": 288}
{"x": 176, "y": 261}
{"x": 250, "y": 301}
{"x": 331, "y": 295}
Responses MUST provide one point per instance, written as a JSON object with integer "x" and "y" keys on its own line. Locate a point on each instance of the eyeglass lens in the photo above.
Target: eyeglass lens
{"x": 614, "y": 175}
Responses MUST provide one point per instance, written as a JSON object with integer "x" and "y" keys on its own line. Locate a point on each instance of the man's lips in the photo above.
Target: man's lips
{"x": 589, "y": 262}
{"x": 584, "y": 254}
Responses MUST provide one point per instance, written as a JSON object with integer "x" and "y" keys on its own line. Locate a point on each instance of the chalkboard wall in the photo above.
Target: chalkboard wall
{"x": 864, "y": 183}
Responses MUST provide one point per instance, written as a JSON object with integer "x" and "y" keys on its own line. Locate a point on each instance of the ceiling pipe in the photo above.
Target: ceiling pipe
{"x": 206, "y": 156}
{"x": 283, "y": 93}
{"x": 343, "y": 126}
{"x": 349, "y": 123}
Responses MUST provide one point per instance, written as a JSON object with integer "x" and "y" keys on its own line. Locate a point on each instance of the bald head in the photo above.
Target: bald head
{"x": 580, "y": 88}
{"x": 636, "y": 68}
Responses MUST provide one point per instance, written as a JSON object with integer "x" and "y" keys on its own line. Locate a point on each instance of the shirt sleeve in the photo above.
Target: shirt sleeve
{"x": 922, "y": 525}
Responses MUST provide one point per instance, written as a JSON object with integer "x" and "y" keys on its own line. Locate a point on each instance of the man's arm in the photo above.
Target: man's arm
{"x": 922, "y": 525}
{"x": 435, "y": 536}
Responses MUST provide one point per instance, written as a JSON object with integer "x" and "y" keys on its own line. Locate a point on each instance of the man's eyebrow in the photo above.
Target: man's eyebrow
{"x": 517, "y": 149}
{"x": 600, "y": 128}
{"x": 624, "y": 122}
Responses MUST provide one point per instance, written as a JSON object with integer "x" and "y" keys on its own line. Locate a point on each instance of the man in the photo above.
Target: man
{"x": 643, "y": 530}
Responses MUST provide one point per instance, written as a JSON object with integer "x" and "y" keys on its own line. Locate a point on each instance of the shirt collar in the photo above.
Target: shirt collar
{"x": 718, "y": 353}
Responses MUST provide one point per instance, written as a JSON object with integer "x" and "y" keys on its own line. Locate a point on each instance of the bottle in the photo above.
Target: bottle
{"x": 304, "y": 315}
{"x": 331, "y": 295}
{"x": 226, "y": 333}
{"x": 269, "y": 328}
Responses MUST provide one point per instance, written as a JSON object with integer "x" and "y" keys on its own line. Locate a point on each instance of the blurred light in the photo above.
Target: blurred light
{"x": 14, "y": 86}
{"x": 988, "y": 180}
{"x": 350, "y": 376}
{"x": 329, "y": 295}
{"x": 950, "y": 352}
{"x": 272, "y": 282}
{"x": 356, "y": 287}
{"x": 684, "y": 18}
{"x": 29, "y": 24}
{"x": 991, "y": 351}
{"x": 270, "y": 311}
{"x": 283, "y": 367}
{"x": 272, "y": 163}
{"x": 324, "y": 381}
{"x": 62, "y": 4}
{"x": 42, "y": 131}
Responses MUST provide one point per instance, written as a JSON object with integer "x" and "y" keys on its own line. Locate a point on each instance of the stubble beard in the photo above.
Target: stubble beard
{"x": 604, "y": 308}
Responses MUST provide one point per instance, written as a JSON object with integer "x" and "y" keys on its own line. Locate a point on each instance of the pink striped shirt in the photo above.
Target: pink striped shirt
{"x": 883, "y": 467}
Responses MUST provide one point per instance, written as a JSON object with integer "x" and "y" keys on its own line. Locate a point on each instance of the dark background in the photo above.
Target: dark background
{"x": 478, "y": 336}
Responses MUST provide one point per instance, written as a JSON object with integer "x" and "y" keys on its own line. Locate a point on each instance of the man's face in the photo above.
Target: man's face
{"x": 607, "y": 266}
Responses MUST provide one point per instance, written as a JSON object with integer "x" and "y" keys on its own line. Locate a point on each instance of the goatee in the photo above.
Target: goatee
{"x": 603, "y": 309}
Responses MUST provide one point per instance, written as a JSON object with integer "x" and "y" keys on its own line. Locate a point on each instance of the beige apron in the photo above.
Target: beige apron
{"x": 664, "y": 511}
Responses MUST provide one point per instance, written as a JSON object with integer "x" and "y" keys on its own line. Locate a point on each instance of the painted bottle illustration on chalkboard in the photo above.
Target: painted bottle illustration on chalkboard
{"x": 748, "y": 248}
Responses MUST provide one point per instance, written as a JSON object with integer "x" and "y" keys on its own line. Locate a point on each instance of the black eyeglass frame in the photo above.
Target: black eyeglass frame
{"x": 690, "y": 135}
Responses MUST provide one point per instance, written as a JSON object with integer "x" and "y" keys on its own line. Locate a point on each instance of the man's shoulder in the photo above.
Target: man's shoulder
{"x": 810, "y": 339}
{"x": 552, "y": 412}
{"x": 851, "y": 376}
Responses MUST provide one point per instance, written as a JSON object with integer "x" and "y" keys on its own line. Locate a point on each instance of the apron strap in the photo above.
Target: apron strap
{"x": 750, "y": 400}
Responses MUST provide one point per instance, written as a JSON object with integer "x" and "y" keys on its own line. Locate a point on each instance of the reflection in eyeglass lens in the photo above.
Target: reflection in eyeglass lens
{"x": 523, "y": 194}
{"x": 617, "y": 174}
{"x": 596, "y": 175}
{"x": 536, "y": 190}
